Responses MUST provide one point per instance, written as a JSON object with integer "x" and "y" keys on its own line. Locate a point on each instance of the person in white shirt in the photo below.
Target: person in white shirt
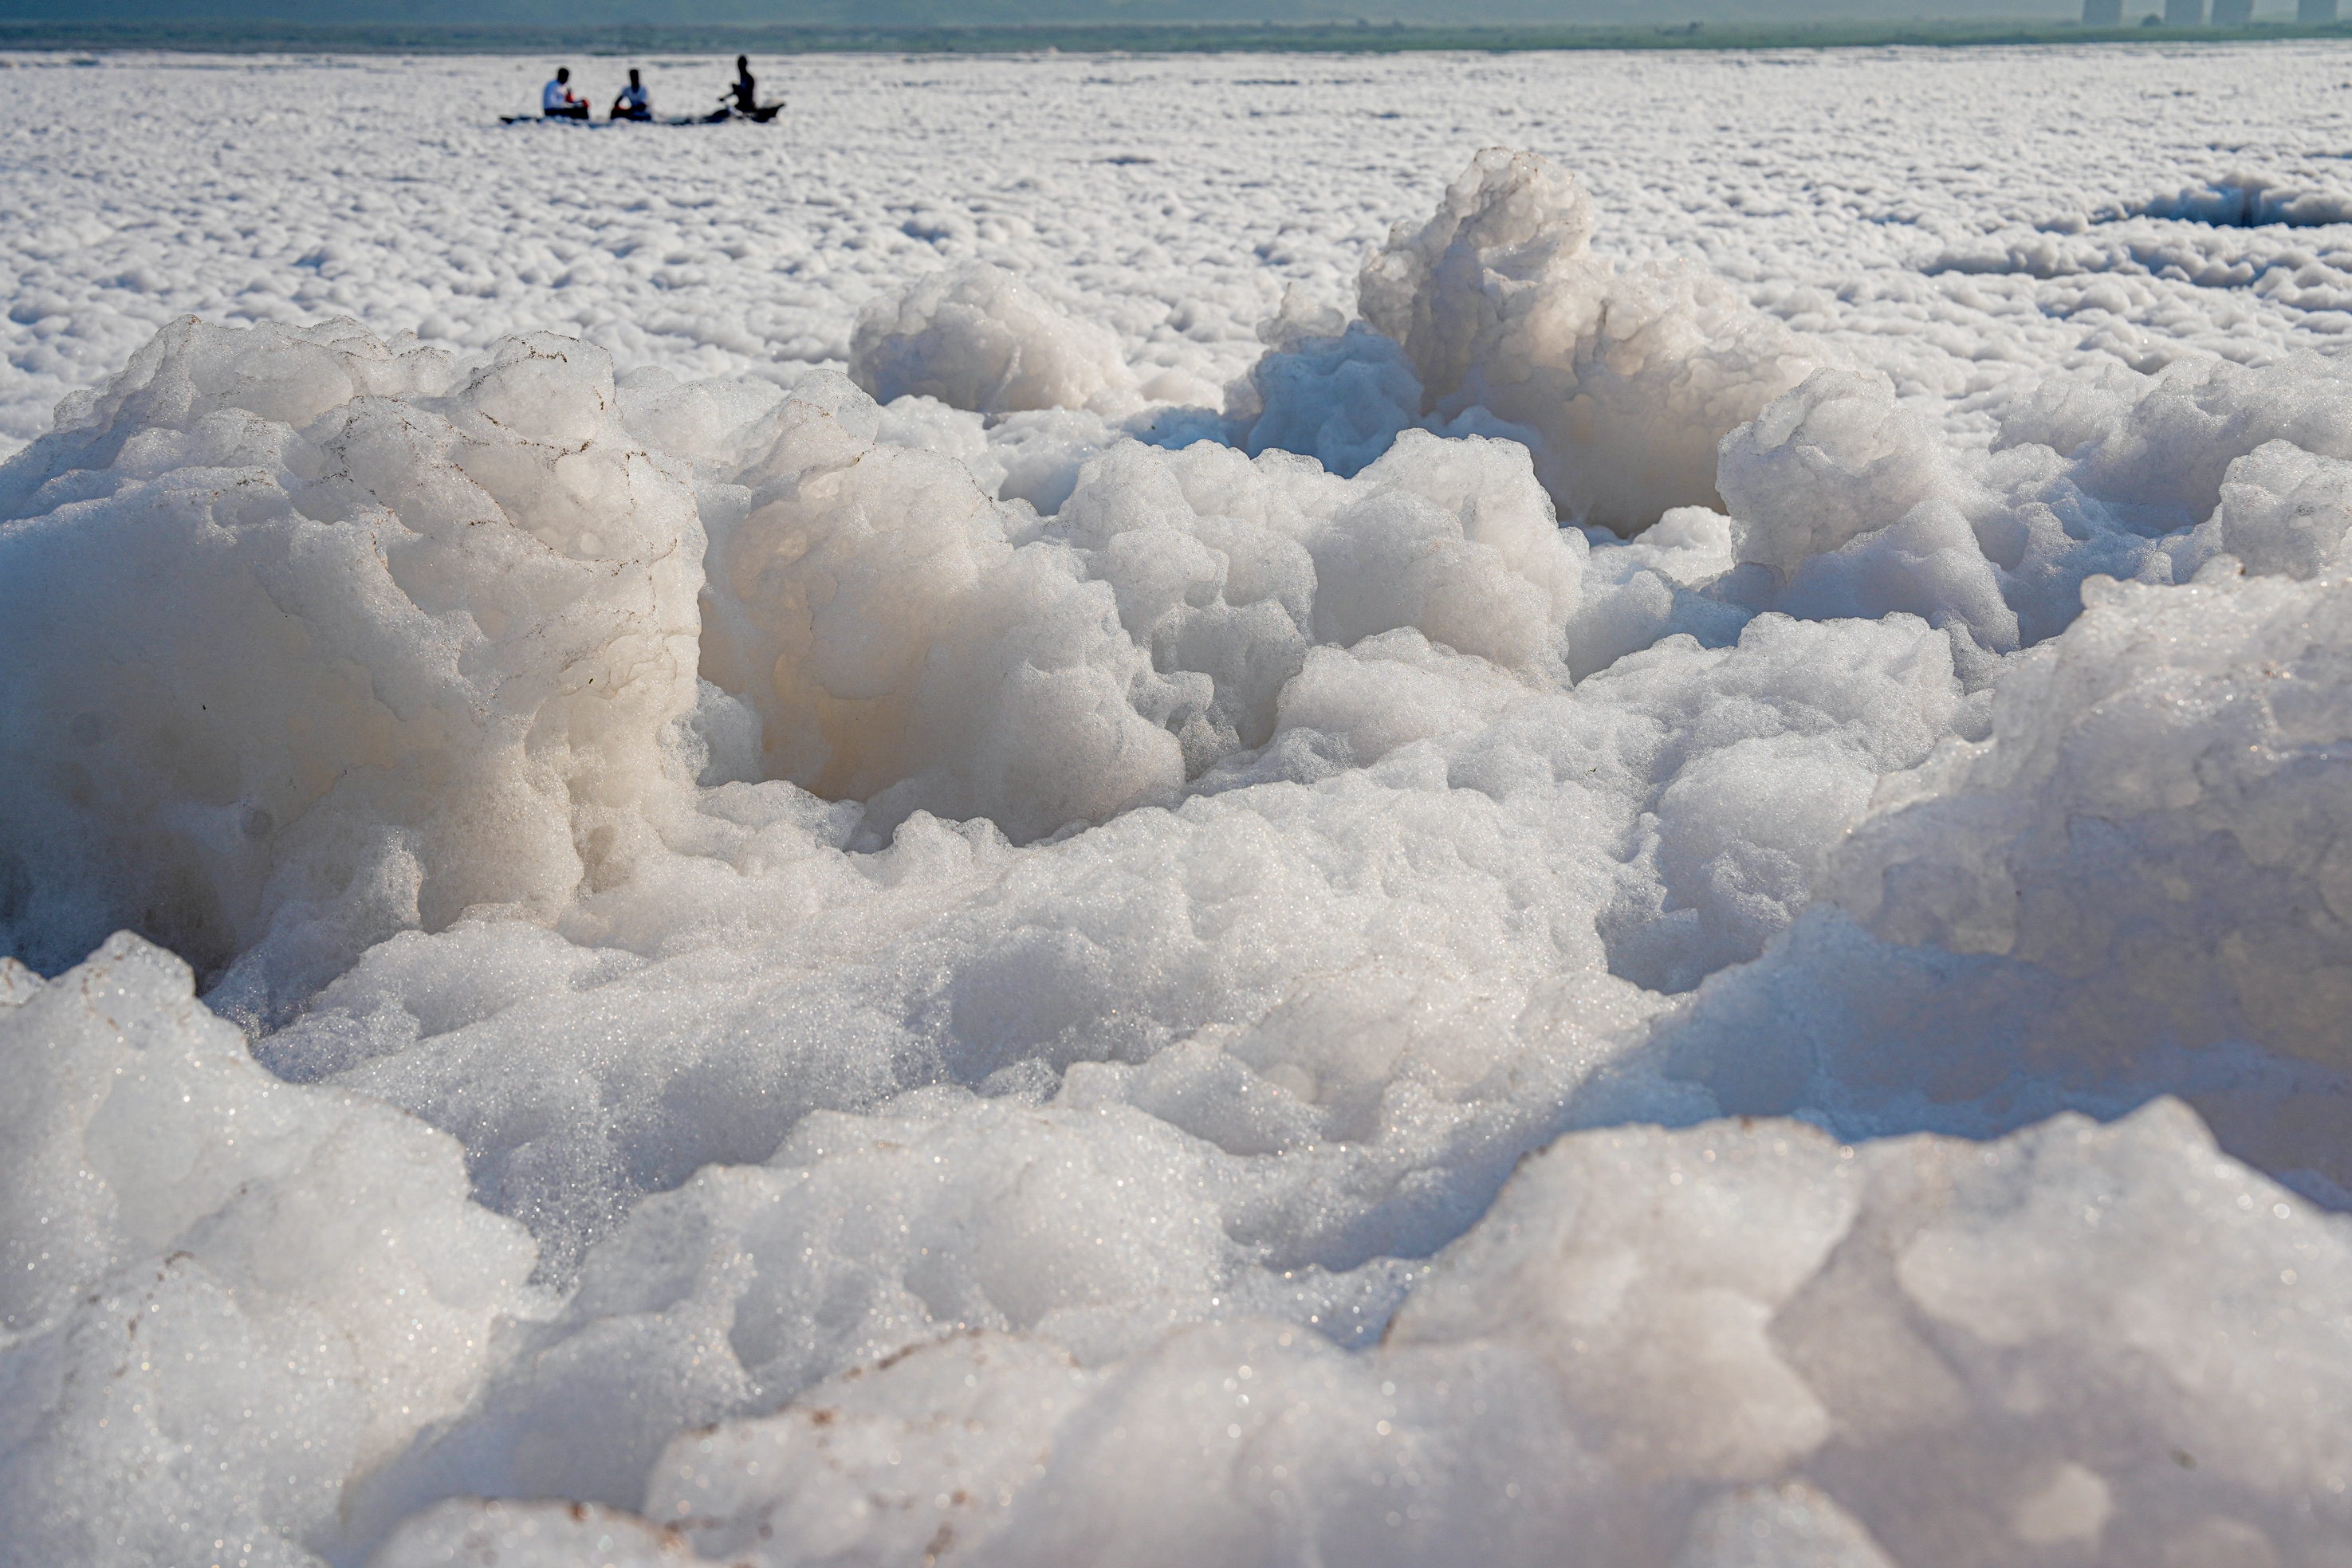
{"x": 635, "y": 102}
{"x": 557, "y": 100}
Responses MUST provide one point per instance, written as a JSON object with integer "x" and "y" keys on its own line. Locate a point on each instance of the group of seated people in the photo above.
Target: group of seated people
{"x": 558, "y": 101}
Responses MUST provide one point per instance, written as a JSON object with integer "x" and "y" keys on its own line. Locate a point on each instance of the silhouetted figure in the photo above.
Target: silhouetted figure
{"x": 557, "y": 100}
{"x": 743, "y": 97}
{"x": 635, "y": 102}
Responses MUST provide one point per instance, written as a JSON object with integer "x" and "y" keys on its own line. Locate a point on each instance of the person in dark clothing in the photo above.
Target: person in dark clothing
{"x": 634, "y": 104}
{"x": 743, "y": 97}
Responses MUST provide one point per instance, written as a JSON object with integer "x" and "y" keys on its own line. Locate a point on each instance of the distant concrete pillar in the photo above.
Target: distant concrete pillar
{"x": 2103, "y": 13}
{"x": 2232, "y": 12}
{"x": 2314, "y": 10}
{"x": 2184, "y": 12}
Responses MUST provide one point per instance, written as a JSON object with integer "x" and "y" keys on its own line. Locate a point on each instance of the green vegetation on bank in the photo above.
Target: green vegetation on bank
{"x": 1303, "y": 38}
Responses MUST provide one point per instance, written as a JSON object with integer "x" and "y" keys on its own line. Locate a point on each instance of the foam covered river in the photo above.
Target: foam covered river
{"x": 1244, "y": 811}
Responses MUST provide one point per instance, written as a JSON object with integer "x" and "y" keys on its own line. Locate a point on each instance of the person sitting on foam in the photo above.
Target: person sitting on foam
{"x": 558, "y": 101}
{"x": 635, "y": 102}
{"x": 743, "y": 97}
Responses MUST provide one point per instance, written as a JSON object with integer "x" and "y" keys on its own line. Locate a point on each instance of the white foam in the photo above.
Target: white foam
{"x": 1628, "y": 379}
{"x": 978, "y": 338}
{"x": 410, "y": 620}
{"x": 225, "y": 1294}
{"x": 1069, "y": 967}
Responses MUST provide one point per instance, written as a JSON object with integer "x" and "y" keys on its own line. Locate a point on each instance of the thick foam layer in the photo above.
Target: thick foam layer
{"x": 1713, "y": 1348}
{"x": 225, "y": 1294}
{"x": 986, "y": 966}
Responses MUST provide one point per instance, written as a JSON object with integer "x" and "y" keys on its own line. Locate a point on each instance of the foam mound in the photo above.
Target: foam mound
{"x": 407, "y": 633}
{"x": 976, "y": 336}
{"x": 1627, "y": 378}
{"x": 966, "y": 962}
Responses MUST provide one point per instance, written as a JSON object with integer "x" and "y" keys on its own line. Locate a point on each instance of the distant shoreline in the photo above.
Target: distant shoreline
{"x": 1157, "y": 38}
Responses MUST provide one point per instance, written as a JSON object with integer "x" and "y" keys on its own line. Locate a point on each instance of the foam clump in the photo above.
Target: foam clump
{"x": 1628, "y": 378}
{"x": 2156, "y": 448}
{"x": 1844, "y": 503}
{"x": 1834, "y": 459}
{"x": 1330, "y": 389}
{"x": 908, "y": 640}
{"x": 2284, "y": 512}
{"x": 2147, "y": 819}
{"x": 1906, "y": 1293}
{"x": 426, "y": 635}
{"x": 976, "y": 336}
{"x": 223, "y": 1295}
{"x": 891, "y": 636}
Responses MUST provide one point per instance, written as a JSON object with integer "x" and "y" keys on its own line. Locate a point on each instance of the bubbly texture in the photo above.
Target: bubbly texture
{"x": 1540, "y": 905}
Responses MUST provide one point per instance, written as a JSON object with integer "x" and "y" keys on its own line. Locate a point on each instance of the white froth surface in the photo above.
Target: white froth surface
{"x": 1211, "y": 810}
{"x": 1941, "y": 213}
